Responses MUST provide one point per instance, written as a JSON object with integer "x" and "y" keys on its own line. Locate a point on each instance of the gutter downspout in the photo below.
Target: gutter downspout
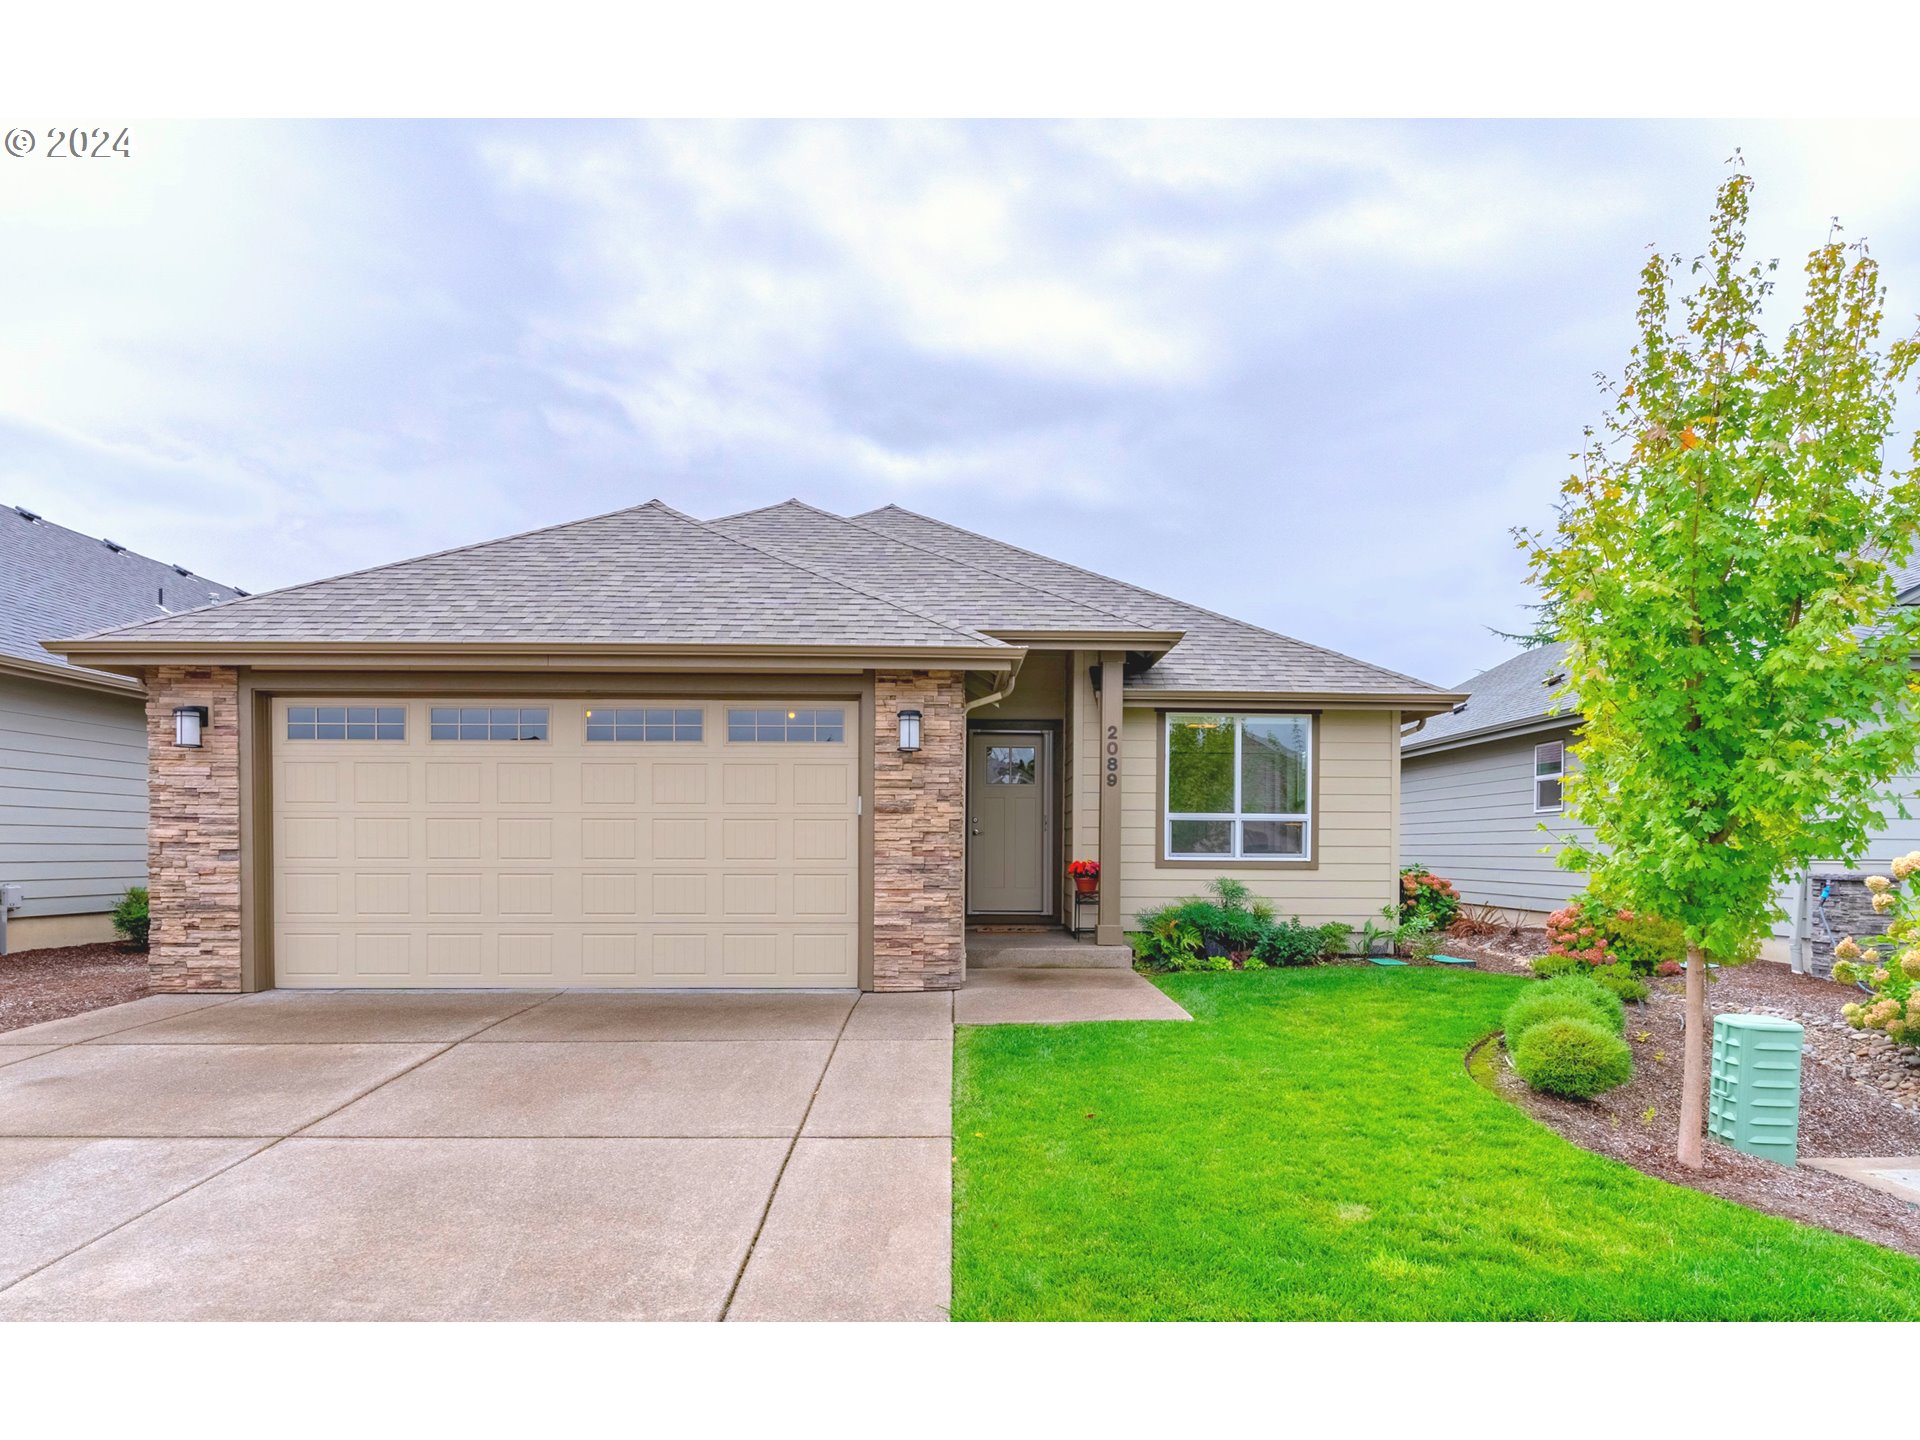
{"x": 1802, "y": 930}
{"x": 1002, "y": 693}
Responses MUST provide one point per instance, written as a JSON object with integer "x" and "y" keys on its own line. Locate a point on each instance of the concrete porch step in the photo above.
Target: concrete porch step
{"x": 1050, "y": 951}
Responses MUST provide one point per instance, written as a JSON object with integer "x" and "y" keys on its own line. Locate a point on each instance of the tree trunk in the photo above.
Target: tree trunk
{"x": 1693, "y": 1070}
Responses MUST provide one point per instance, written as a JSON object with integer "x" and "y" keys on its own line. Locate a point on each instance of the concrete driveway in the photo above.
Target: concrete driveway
{"x": 355, "y": 1155}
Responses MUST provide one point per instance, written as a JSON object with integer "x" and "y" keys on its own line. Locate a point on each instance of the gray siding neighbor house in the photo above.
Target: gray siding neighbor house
{"x": 73, "y": 741}
{"x": 1478, "y": 784}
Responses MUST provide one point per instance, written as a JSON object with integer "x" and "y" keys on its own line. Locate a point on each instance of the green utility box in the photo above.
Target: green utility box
{"x": 1753, "y": 1101}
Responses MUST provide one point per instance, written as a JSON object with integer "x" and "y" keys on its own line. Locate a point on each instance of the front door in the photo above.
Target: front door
{"x": 1010, "y": 785}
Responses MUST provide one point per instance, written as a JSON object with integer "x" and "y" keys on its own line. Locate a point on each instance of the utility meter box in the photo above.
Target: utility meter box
{"x": 1753, "y": 1099}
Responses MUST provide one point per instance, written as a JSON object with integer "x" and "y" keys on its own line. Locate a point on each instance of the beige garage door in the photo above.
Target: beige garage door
{"x": 670, "y": 843}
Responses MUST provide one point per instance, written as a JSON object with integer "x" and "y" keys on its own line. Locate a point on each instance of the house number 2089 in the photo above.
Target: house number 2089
{"x": 1113, "y": 754}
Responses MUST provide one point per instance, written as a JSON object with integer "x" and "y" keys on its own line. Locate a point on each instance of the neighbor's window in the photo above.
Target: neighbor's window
{"x": 1239, "y": 787}
{"x": 346, "y": 722}
{"x": 763, "y": 725}
{"x": 454, "y": 722}
{"x": 1549, "y": 770}
{"x": 647, "y": 724}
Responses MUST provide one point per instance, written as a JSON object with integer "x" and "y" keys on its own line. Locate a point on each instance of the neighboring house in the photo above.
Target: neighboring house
{"x": 1479, "y": 782}
{"x": 73, "y": 741}
{"x": 784, "y": 748}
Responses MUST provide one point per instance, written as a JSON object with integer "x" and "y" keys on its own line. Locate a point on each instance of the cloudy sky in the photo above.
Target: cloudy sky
{"x": 1308, "y": 374}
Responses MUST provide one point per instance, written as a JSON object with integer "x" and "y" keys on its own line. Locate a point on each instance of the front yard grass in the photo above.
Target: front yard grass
{"x": 1311, "y": 1147}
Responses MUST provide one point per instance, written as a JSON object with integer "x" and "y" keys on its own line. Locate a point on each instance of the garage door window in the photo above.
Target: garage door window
{"x": 450, "y": 722}
{"x": 647, "y": 724}
{"x": 787, "y": 725}
{"x": 346, "y": 722}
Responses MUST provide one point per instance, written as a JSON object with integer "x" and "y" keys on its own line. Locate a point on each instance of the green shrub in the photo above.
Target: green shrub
{"x": 1291, "y": 943}
{"x": 1573, "y": 1057}
{"x": 131, "y": 919}
{"x": 1620, "y": 979}
{"x": 1548, "y": 966}
{"x": 1574, "y": 997}
{"x": 1168, "y": 943}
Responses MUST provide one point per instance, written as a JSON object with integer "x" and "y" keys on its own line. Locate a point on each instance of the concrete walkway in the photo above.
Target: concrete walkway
{"x": 1896, "y": 1174}
{"x": 480, "y": 1155}
{"x": 1060, "y": 997}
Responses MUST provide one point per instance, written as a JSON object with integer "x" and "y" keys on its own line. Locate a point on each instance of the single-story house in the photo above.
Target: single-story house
{"x": 73, "y": 740}
{"x": 783, "y": 748}
{"x": 1481, "y": 804}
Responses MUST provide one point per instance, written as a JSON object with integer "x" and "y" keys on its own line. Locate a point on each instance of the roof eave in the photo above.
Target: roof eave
{"x": 55, "y": 674}
{"x": 1512, "y": 729}
{"x": 132, "y": 658}
{"x": 1145, "y": 641}
{"x": 1409, "y": 703}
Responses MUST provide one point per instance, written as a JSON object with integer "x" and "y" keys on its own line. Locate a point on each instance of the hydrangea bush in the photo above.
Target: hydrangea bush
{"x": 1890, "y": 965}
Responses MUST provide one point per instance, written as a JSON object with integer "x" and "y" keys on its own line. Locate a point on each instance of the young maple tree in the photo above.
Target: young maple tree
{"x": 1722, "y": 573}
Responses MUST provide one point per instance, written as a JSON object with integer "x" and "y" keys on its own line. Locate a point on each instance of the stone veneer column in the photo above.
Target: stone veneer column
{"x": 919, "y": 833}
{"x": 193, "y": 833}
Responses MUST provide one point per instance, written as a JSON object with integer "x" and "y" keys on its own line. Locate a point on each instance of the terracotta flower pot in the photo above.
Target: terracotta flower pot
{"x": 1086, "y": 884}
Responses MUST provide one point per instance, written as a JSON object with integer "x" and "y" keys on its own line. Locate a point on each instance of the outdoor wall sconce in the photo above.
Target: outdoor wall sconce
{"x": 909, "y": 731}
{"x": 189, "y": 723}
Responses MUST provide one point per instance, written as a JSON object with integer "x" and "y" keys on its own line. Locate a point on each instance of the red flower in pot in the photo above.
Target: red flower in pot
{"x": 1086, "y": 875}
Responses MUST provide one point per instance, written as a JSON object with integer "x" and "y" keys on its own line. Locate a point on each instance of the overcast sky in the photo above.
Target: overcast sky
{"x": 1307, "y": 374}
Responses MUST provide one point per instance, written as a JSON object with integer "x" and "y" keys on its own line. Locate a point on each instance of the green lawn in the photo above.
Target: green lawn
{"x": 1311, "y": 1148}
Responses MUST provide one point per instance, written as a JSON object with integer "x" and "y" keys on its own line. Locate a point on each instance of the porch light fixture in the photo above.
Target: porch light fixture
{"x": 909, "y": 731}
{"x": 189, "y": 723}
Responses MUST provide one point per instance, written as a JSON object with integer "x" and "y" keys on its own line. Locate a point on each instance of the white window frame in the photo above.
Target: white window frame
{"x": 1236, "y": 819}
{"x": 1559, "y": 774}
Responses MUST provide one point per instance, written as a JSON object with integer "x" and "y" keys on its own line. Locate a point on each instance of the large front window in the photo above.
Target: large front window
{"x": 1239, "y": 787}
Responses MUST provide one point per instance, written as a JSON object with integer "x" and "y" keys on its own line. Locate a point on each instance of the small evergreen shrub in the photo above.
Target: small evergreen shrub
{"x": 1620, "y": 979}
{"x": 1574, "y": 1058}
{"x": 1292, "y": 943}
{"x": 1576, "y": 998}
{"x": 1546, "y": 967}
{"x": 131, "y": 919}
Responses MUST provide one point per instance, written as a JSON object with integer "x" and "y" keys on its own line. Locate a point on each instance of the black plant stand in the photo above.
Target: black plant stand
{"x": 1082, "y": 900}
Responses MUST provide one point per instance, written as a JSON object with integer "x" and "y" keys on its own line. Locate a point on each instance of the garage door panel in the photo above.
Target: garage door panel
{"x": 477, "y": 863}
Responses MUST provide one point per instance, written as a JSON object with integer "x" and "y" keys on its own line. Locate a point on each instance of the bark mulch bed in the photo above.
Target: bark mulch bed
{"x": 38, "y": 985}
{"x": 1840, "y": 1115}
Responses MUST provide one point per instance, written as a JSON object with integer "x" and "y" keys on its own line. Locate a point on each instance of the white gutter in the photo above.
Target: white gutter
{"x": 1013, "y": 676}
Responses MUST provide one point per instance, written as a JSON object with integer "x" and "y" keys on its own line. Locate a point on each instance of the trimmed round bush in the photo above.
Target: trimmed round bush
{"x": 1573, "y": 1057}
{"x": 1546, "y": 967}
{"x": 1574, "y": 997}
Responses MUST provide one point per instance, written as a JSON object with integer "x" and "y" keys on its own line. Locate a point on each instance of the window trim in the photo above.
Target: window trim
{"x": 793, "y": 708}
{"x": 587, "y": 737}
{"x": 287, "y": 722}
{"x": 1560, "y": 775}
{"x": 1165, "y": 858}
{"x": 516, "y": 706}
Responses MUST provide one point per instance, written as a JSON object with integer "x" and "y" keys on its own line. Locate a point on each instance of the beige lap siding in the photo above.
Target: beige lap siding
{"x": 919, "y": 839}
{"x": 193, "y": 839}
{"x": 1354, "y": 842}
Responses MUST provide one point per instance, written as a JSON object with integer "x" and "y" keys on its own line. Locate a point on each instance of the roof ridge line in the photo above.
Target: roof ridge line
{"x": 876, "y": 531}
{"x": 788, "y": 560}
{"x": 391, "y": 565}
{"x": 1171, "y": 600}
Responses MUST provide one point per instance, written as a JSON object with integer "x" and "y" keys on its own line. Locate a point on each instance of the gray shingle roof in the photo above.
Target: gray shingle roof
{"x": 1217, "y": 653}
{"x": 1513, "y": 692}
{"x": 56, "y": 582}
{"x": 960, "y": 591}
{"x": 645, "y": 575}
